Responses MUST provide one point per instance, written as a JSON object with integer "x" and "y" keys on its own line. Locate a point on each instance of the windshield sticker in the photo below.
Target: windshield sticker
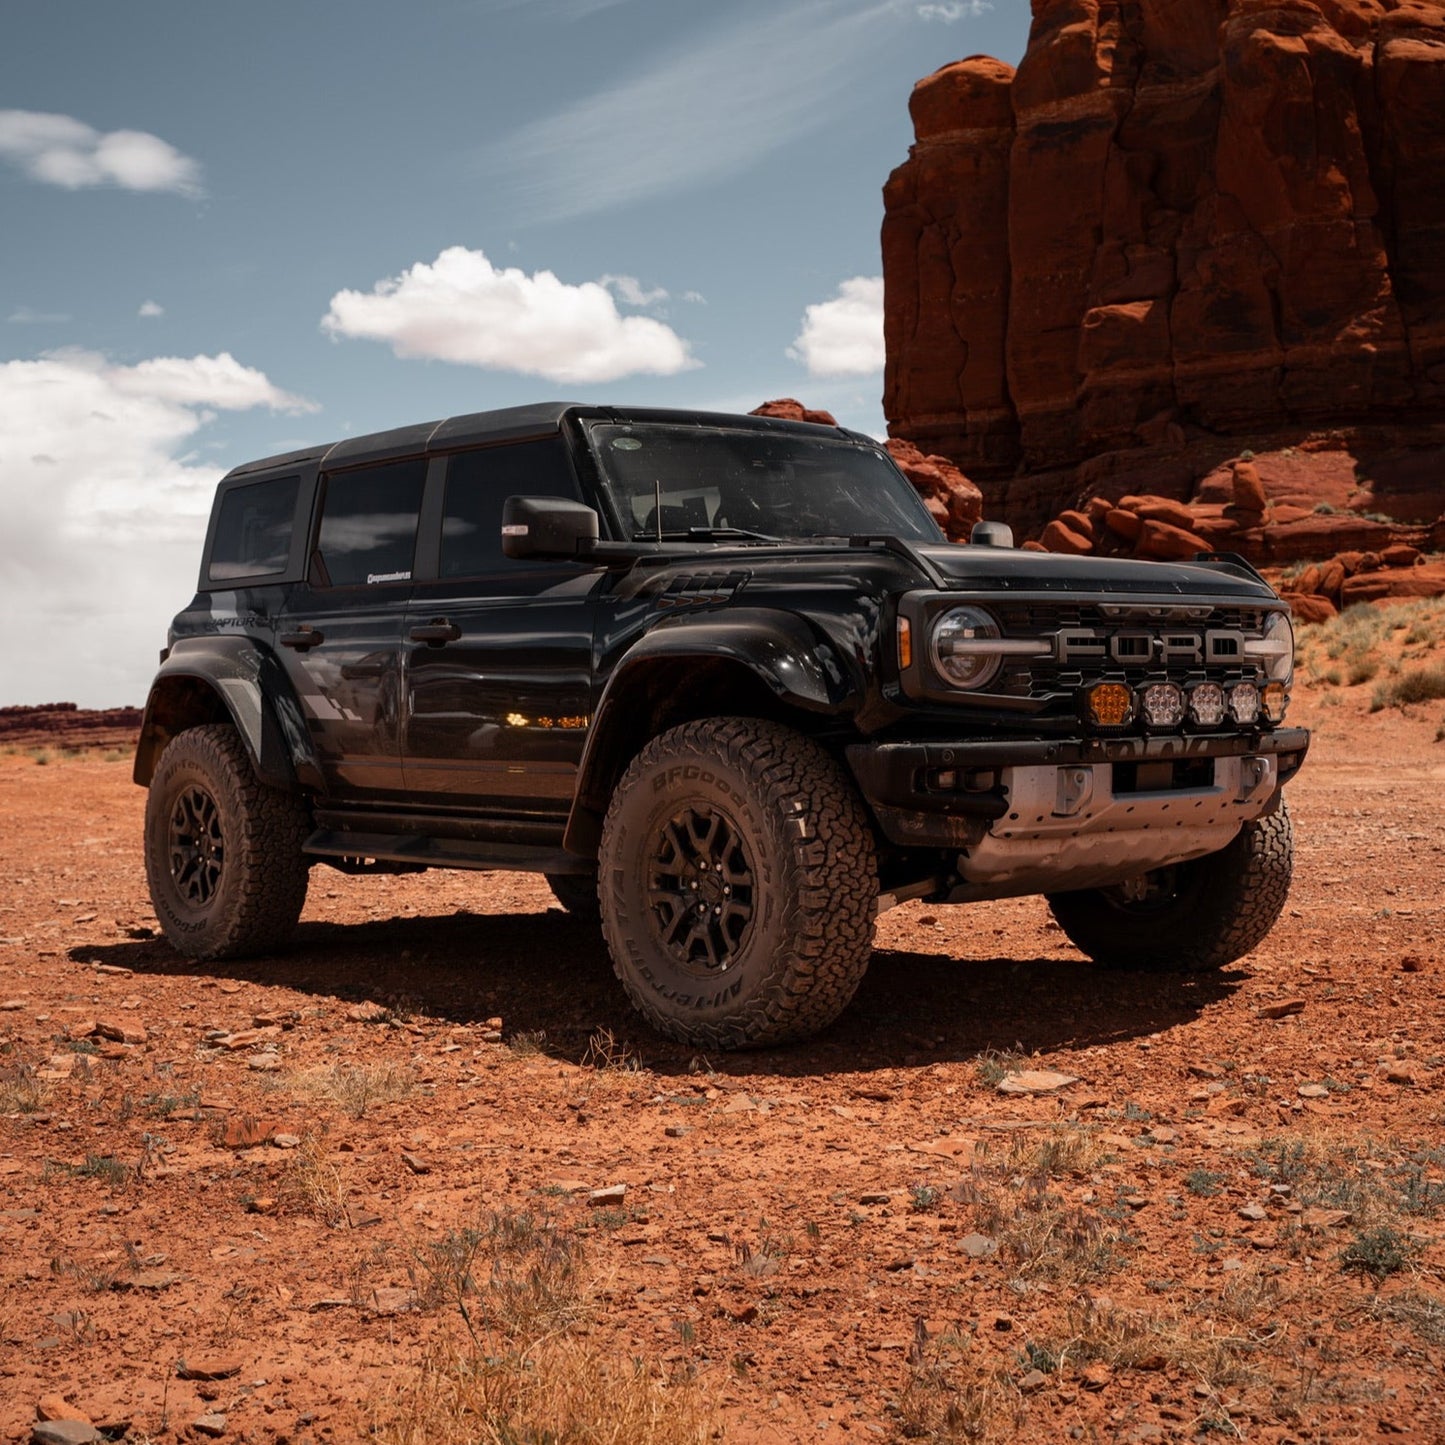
{"x": 387, "y": 577}
{"x": 626, "y": 444}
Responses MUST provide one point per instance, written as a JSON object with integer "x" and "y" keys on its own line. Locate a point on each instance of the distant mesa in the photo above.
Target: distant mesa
{"x": 64, "y": 725}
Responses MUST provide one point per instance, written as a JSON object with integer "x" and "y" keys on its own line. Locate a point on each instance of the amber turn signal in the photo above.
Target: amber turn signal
{"x": 1111, "y": 704}
{"x": 905, "y": 643}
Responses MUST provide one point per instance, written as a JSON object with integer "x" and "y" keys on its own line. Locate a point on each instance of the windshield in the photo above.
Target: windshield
{"x": 685, "y": 481}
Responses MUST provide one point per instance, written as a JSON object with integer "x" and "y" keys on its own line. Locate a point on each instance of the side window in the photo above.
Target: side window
{"x": 253, "y": 532}
{"x": 368, "y": 524}
{"x": 479, "y": 482}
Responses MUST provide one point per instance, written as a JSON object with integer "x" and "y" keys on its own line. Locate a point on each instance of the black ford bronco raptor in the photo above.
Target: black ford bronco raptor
{"x": 724, "y": 683}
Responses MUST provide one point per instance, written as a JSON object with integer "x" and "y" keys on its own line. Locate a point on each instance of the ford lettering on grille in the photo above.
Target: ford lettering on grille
{"x": 1141, "y": 649}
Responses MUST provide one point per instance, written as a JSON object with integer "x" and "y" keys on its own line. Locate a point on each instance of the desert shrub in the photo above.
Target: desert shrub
{"x": 1378, "y": 1252}
{"x": 354, "y": 1087}
{"x": 1419, "y": 684}
{"x": 524, "y": 1372}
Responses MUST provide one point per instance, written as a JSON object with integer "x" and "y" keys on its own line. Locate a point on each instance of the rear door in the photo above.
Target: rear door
{"x": 340, "y": 636}
{"x": 498, "y": 652}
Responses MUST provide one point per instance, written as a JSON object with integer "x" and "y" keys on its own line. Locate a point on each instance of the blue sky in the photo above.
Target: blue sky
{"x": 231, "y": 230}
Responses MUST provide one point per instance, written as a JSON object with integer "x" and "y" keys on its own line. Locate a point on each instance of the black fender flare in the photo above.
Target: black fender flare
{"x": 229, "y": 678}
{"x": 798, "y": 665}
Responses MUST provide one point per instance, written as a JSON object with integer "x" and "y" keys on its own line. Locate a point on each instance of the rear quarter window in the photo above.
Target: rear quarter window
{"x": 253, "y": 530}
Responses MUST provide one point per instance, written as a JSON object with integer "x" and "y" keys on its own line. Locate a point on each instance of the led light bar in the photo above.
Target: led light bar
{"x": 1206, "y": 704}
{"x": 1162, "y": 704}
{"x": 1244, "y": 703}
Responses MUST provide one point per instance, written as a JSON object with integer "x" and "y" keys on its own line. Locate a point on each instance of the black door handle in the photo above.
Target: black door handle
{"x": 434, "y": 634}
{"x": 302, "y": 638}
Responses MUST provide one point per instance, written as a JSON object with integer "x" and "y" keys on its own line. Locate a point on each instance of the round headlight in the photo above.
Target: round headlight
{"x": 960, "y": 649}
{"x": 1277, "y": 652}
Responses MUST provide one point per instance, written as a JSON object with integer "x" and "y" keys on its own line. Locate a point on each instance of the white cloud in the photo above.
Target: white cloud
{"x": 63, "y": 151}
{"x": 105, "y": 510}
{"x": 762, "y": 79}
{"x": 844, "y": 336}
{"x": 25, "y": 316}
{"x": 951, "y": 10}
{"x": 463, "y": 309}
{"x": 631, "y": 291}
{"x": 151, "y": 308}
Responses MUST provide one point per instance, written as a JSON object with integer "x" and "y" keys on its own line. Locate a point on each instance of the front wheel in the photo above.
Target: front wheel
{"x": 738, "y": 883}
{"x": 223, "y": 851}
{"x": 1190, "y": 917}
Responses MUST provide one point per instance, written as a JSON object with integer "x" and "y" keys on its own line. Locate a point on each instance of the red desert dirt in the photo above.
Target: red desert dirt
{"x": 1009, "y": 1196}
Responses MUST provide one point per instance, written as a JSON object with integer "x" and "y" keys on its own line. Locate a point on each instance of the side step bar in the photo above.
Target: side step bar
{"x": 427, "y": 852}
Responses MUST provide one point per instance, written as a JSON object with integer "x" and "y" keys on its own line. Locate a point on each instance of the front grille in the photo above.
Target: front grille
{"x": 1043, "y": 679}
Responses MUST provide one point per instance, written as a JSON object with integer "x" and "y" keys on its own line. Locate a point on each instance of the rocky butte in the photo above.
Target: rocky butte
{"x": 1180, "y": 227}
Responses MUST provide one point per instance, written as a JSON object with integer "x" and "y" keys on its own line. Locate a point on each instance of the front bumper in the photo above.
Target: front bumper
{"x": 1033, "y": 815}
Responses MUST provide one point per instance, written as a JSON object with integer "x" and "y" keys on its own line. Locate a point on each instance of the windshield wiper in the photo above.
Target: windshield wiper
{"x": 705, "y": 534}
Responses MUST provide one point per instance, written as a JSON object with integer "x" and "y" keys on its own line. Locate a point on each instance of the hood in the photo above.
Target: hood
{"x": 1001, "y": 569}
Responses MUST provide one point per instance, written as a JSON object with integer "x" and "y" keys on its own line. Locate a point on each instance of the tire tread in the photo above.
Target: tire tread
{"x": 268, "y": 827}
{"x": 827, "y": 925}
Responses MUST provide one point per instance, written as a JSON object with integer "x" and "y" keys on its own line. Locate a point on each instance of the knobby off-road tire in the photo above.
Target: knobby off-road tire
{"x": 1194, "y": 916}
{"x": 223, "y": 851}
{"x": 738, "y": 882}
{"x": 577, "y": 893}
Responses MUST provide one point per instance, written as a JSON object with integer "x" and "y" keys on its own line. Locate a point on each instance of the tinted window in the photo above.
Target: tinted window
{"x": 368, "y": 523}
{"x": 477, "y": 485}
{"x": 253, "y": 532}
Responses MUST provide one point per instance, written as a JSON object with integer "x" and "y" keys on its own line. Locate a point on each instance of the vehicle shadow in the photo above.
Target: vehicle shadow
{"x": 549, "y": 979}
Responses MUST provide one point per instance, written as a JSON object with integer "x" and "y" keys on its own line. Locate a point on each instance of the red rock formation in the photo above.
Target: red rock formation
{"x": 954, "y": 502}
{"x": 62, "y": 724}
{"x": 1179, "y": 216}
{"x": 790, "y": 410}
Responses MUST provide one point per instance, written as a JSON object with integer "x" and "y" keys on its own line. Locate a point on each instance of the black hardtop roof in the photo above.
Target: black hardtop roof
{"x": 511, "y": 423}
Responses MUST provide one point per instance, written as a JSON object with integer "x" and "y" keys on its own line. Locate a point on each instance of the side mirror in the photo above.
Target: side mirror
{"x": 546, "y": 527}
{"x": 991, "y": 534}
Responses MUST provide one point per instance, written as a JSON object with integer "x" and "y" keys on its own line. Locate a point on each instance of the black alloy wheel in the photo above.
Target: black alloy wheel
{"x": 700, "y": 888}
{"x": 197, "y": 847}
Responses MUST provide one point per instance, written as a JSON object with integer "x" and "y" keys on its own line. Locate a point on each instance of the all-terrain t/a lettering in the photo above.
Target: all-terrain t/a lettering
{"x": 723, "y": 683}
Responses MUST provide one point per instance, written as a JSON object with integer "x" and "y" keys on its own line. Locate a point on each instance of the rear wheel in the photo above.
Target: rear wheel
{"x": 738, "y": 883}
{"x": 1190, "y": 917}
{"x": 223, "y": 851}
{"x": 577, "y": 893}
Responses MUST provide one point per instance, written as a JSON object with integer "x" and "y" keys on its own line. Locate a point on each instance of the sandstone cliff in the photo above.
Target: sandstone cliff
{"x": 63, "y": 725}
{"x": 1179, "y": 221}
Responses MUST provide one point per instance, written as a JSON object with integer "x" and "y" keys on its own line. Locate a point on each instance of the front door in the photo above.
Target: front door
{"x": 498, "y": 652}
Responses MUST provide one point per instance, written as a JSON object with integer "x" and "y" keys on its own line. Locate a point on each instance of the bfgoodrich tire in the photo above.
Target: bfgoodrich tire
{"x": 738, "y": 882}
{"x": 1193, "y": 916}
{"x": 223, "y": 851}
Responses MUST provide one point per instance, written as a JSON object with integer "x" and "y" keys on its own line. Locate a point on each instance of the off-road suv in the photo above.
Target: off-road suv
{"x": 721, "y": 680}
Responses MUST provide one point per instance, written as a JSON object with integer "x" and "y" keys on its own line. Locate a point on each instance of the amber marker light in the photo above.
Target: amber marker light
{"x": 1274, "y": 699}
{"x": 905, "y": 643}
{"x": 1111, "y": 704}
